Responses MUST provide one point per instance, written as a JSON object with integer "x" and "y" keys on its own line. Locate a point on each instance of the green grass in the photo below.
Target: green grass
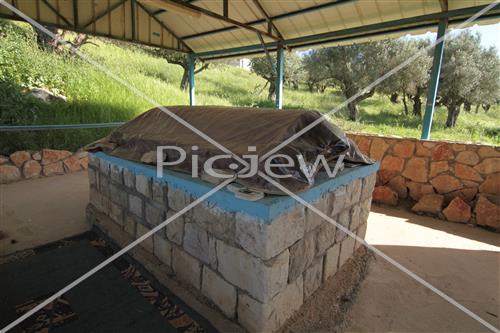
{"x": 94, "y": 97}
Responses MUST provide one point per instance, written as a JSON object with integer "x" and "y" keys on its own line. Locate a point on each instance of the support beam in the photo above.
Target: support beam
{"x": 206, "y": 12}
{"x": 434, "y": 81}
{"x": 280, "y": 66}
{"x": 104, "y": 13}
{"x": 270, "y": 23}
{"x": 191, "y": 64}
{"x": 225, "y": 8}
{"x": 55, "y": 11}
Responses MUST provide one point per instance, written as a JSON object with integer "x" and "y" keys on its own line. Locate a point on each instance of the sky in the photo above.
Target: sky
{"x": 490, "y": 35}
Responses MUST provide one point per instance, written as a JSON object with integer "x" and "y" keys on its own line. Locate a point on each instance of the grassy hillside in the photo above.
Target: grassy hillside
{"x": 94, "y": 97}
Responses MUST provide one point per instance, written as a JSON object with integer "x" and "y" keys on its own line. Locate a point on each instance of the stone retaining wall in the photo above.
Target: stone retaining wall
{"x": 255, "y": 272}
{"x": 45, "y": 163}
{"x": 458, "y": 182}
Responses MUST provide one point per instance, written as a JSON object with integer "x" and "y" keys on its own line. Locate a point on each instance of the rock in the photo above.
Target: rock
{"x": 9, "y": 174}
{"x": 429, "y": 203}
{"x": 363, "y": 143}
{"x": 215, "y": 221}
{"x": 31, "y": 169}
{"x": 378, "y": 149}
{"x": 438, "y": 167}
{"x": 19, "y": 157}
{"x": 442, "y": 151}
{"x": 491, "y": 184}
{"x": 265, "y": 280}
{"x": 301, "y": 256}
{"x": 487, "y": 213}
{"x": 84, "y": 162}
{"x": 162, "y": 249}
{"x": 72, "y": 164}
{"x": 467, "y": 157}
{"x": 254, "y": 235}
{"x": 147, "y": 243}
{"x": 153, "y": 213}
{"x": 221, "y": 293}
{"x": 36, "y": 156}
{"x": 313, "y": 277}
{"x": 463, "y": 171}
{"x": 417, "y": 170}
{"x": 325, "y": 236}
{"x": 346, "y": 250}
{"x": 404, "y": 149}
{"x": 178, "y": 199}
{"x": 187, "y": 268}
{"x": 457, "y": 211}
{"x": 384, "y": 176}
{"x": 417, "y": 190}
{"x": 392, "y": 163}
{"x": 384, "y": 195}
{"x": 398, "y": 184}
{"x": 429, "y": 144}
{"x": 489, "y": 165}
{"x": 458, "y": 147}
{"x": 255, "y": 316}
{"x": 143, "y": 185}
{"x": 46, "y": 95}
{"x": 196, "y": 243}
{"x": 175, "y": 229}
{"x": 422, "y": 151}
{"x": 467, "y": 194}
{"x": 3, "y": 159}
{"x": 52, "y": 155}
{"x": 331, "y": 261}
{"x": 446, "y": 183}
{"x": 135, "y": 205}
{"x": 488, "y": 152}
{"x": 53, "y": 169}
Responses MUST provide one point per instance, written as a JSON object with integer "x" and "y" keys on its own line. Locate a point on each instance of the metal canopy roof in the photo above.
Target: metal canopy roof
{"x": 225, "y": 28}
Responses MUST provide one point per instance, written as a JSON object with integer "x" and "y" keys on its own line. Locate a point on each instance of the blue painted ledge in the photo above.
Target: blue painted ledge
{"x": 265, "y": 209}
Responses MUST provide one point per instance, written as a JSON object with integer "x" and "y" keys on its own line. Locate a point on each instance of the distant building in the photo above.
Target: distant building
{"x": 241, "y": 63}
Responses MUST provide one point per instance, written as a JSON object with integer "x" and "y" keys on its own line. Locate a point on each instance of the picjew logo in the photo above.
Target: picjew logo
{"x": 271, "y": 164}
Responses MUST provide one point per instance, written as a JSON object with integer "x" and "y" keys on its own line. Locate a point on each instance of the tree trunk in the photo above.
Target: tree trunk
{"x": 453, "y": 111}
{"x": 404, "y": 104}
{"x": 394, "y": 98}
{"x": 272, "y": 90}
{"x": 467, "y": 107}
{"x": 353, "y": 111}
{"x": 486, "y": 107}
{"x": 417, "y": 104}
{"x": 184, "y": 80}
{"x": 477, "y": 108}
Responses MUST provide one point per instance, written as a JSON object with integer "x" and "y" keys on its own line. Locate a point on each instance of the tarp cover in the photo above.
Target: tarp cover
{"x": 237, "y": 129}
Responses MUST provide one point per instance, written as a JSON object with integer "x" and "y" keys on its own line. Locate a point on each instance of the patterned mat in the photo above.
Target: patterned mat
{"x": 60, "y": 312}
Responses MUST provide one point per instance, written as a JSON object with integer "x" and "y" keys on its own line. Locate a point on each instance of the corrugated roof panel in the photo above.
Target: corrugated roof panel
{"x": 349, "y": 15}
{"x": 369, "y": 12}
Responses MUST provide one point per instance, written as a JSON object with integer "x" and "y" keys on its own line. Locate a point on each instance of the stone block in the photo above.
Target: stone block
{"x": 53, "y": 169}
{"x": 418, "y": 190}
{"x": 488, "y": 166}
{"x": 404, "y": 149}
{"x": 268, "y": 240}
{"x": 178, "y": 199}
{"x": 488, "y": 152}
{"x": 487, "y": 212}
{"x": 355, "y": 217}
{"x": 313, "y": 277}
{"x": 268, "y": 317}
{"x": 116, "y": 213}
{"x": 457, "y": 211}
{"x": 93, "y": 178}
{"x": 143, "y": 185}
{"x": 442, "y": 151}
{"x": 187, "y": 268}
{"x": 262, "y": 280}
{"x": 345, "y": 221}
{"x": 313, "y": 220}
{"x": 104, "y": 167}
{"x": 197, "y": 243}
{"x": 438, "y": 167}
{"x": 339, "y": 200}
{"x": 135, "y": 205}
{"x": 378, "y": 149}
{"x": 392, "y": 163}
{"x": 385, "y": 195}
{"x": 9, "y": 174}
{"x": 491, "y": 184}
{"x": 417, "y": 169}
{"x": 368, "y": 186}
{"x": 95, "y": 198}
{"x": 463, "y": 171}
{"x": 175, "y": 228}
{"x": 346, "y": 250}
{"x": 153, "y": 213}
{"x": 354, "y": 191}
{"x": 52, "y": 155}
{"x": 147, "y": 244}
{"x": 31, "y": 169}
{"x": 361, "y": 233}
{"x": 159, "y": 193}
{"x": 116, "y": 173}
{"x": 398, "y": 185}
{"x": 331, "y": 260}
{"x": 429, "y": 203}
{"x": 93, "y": 161}
{"x": 129, "y": 178}
{"x": 325, "y": 237}
{"x": 446, "y": 183}
{"x": 214, "y": 220}
{"x": 162, "y": 249}
{"x": 219, "y": 291}
{"x": 301, "y": 256}
{"x": 129, "y": 225}
{"x": 467, "y": 157}
{"x": 118, "y": 195}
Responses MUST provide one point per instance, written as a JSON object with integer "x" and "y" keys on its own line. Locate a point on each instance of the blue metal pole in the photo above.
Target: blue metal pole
{"x": 191, "y": 64}
{"x": 434, "y": 80}
{"x": 280, "y": 64}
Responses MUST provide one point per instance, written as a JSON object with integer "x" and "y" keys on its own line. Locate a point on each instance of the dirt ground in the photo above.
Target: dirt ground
{"x": 460, "y": 260}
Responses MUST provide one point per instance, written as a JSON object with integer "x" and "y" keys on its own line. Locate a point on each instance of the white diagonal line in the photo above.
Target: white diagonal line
{"x": 129, "y": 86}
{"x": 378, "y": 81}
{"x": 382, "y": 254}
{"x": 113, "y": 257}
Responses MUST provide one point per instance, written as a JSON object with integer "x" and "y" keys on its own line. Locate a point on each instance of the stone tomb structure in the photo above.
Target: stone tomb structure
{"x": 255, "y": 262}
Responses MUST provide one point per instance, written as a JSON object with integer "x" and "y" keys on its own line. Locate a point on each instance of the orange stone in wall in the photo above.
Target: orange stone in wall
{"x": 466, "y": 172}
{"x": 417, "y": 170}
{"x": 457, "y": 211}
{"x": 404, "y": 149}
{"x": 19, "y": 157}
{"x": 442, "y": 151}
{"x": 392, "y": 163}
{"x": 384, "y": 195}
{"x": 487, "y": 213}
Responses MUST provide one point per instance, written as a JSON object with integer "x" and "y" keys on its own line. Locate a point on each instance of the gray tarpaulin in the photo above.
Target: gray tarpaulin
{"x": 235, "y": 128}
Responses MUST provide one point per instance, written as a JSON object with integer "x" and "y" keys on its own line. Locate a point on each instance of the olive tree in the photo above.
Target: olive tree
{"x": 353, "y": 67}
{"x": 315, "y": 76}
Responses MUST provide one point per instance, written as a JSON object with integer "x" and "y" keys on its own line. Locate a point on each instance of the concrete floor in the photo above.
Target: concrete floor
{"x": 460, "y": 260}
